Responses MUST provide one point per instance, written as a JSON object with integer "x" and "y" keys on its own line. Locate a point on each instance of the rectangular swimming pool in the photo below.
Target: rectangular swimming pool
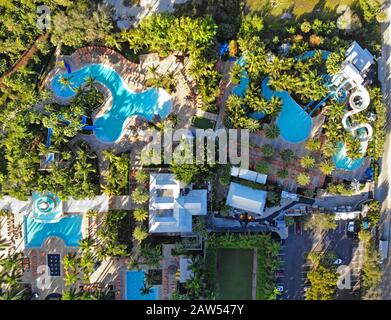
{"x": 134, "y": 282}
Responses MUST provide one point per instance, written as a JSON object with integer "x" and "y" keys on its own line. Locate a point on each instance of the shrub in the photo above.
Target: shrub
{"x": 262, "y": 167}
{"x": 305, "y": 27}
{"x": 141, "y": 176}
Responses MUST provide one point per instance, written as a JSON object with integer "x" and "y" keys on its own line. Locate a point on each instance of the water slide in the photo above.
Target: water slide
{"x": 358, "y": 101}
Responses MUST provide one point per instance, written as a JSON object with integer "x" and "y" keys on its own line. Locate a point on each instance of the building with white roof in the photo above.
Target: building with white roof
{"x": 172, "y": 205}
{"x": 245, "y": 198}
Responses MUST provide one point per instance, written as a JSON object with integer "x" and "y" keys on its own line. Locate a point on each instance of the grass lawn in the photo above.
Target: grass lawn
{"x": 298, "y": 7}
{"x": 234, "y": 273}
{"x": 229, "y": 265}
{"x": 202, "y": 123}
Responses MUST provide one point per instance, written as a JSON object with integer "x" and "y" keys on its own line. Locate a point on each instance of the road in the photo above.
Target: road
{"x": 383, "y": 192}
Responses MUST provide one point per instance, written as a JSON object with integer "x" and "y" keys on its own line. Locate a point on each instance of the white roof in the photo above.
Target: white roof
{"x": 246, "y": 198}
{"x": 351, "y": 72}
{"x": 248, "y": 175}
{"x": 169, "y": 211}
{"x": 361, "y": 58}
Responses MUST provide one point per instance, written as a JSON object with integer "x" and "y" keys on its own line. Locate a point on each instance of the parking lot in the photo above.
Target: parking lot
{"x": 293, "y": 270}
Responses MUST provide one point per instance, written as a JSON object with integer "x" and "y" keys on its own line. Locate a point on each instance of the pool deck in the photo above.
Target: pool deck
{"x": 258, "y": 139}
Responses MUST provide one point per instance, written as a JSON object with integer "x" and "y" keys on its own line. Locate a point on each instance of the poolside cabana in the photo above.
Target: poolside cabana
{"x": 245, "y": 198}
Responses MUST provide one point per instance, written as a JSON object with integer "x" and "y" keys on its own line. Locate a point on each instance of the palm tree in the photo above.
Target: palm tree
{"x": 312, "y": 145}
{"x": 262, "y": 167}
{"x": 272, "y": 131}
{"x": 153, "y": 70}
{"x": 329, "y": 149}
{"x": 151, "y": 255}
{"x": 89, "y": 81}
{"x": 141, "y": 176}
{"x": 140, "y": 234}
{"x": 12, "y": 294}
{"x": 134, "y": 263}
{"x": 71, "y": 294}
{"x": 196, "y": 264}
{"x": 194, "y": 287}
{"x": 267, "y": 150}
{"x": 146, "y": 289}
{"x": 307, "y": 162}
{"x": 282, "y": 173}
{"x": 66, "y": 82}
{"x": 140, "y": 214}
{"x": 287, "y": 155}
{"x": 326, "y": 167}
{"x": 236, "y": 73}
{"x": 86, "y": 244}
{"x": 140, "y": 195}
{"x": 70, "y": 278}
{"x": 303, "y": 179}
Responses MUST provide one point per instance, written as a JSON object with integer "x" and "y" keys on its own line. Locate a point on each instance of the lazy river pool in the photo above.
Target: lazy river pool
{"x": 125, "y": 103}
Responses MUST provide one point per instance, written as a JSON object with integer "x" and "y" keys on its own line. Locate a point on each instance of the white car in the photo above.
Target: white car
{"x": 338, "y": 262}
{"x": 280, "y": 288}
{"x": 351, "y": 226}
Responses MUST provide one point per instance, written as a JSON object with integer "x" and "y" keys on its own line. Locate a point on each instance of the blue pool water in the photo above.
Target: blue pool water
{"x": 342, "y": 161}
{"x": 68, "y": 229}
{"x": 125, "y": 103}
{"x": 134, "y": 282}
{"x": 294, "y": 123}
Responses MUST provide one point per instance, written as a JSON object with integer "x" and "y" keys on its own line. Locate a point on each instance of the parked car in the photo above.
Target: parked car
{"x": 338, "y": 262}
{"x": 280, "y": 288}
{"x": 351, "y": 226}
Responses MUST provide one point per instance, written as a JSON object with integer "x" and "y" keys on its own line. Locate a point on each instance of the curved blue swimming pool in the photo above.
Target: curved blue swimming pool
{"x": 294, "y": 123}
{"x": 125, "y": 103}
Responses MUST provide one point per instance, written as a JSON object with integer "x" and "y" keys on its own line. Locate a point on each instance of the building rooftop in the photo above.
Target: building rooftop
{"x": 172, "y": 205}
{"x": 361, "y": 58}
{"x": 246, "y": 198}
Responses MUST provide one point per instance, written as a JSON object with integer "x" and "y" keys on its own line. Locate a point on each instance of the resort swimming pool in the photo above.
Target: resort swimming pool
{"x": 134, "y": 282}
{"x": 125, "y": 103}
{"x": 294, "y": 123}
{"x": 68, "y": 229}
{"x": 342, "y": 161}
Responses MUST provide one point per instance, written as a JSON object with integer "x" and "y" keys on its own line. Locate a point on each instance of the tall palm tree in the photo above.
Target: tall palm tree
{"x": 153, "y": 70}
{"x": 146, "y": 289}
{"x": 66, "y": 82}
